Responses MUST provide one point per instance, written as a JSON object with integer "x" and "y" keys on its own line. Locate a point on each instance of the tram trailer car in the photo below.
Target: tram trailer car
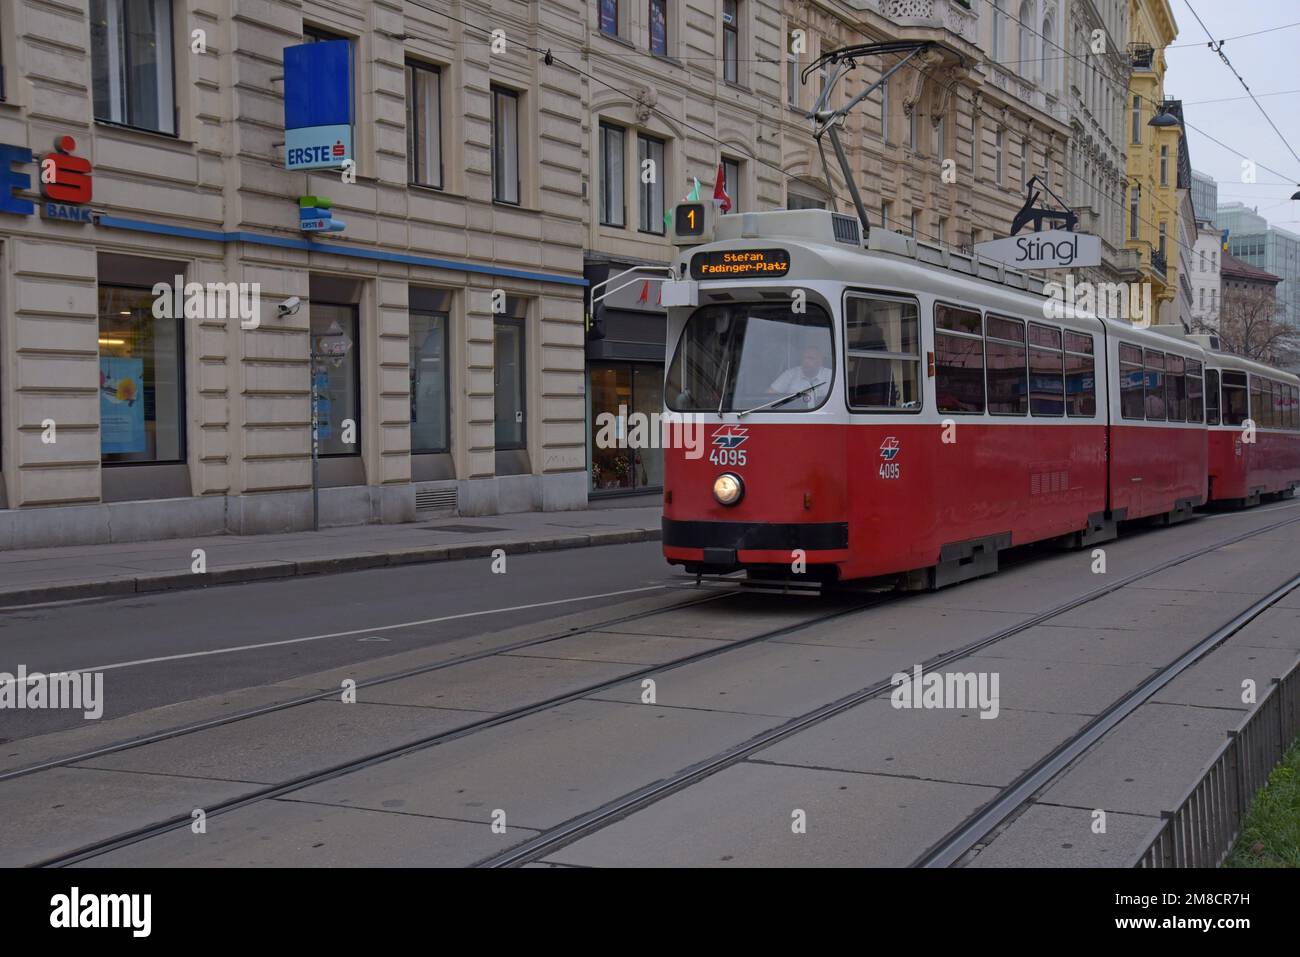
{"x": 1242, "y": 471}
{"x": 894, "y": 408}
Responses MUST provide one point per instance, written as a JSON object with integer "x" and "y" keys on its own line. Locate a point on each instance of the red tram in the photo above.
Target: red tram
{"x": 894, "y": 408}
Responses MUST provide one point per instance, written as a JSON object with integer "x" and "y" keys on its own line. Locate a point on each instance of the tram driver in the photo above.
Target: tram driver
{"x": 811, "y": 374}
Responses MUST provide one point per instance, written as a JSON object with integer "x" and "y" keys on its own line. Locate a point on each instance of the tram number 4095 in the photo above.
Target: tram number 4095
{"x": 889, "y": 470}
{"x": 727, "y": 456}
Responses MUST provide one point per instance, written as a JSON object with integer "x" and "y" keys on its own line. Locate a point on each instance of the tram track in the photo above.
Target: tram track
{"x": 594, "y": 820}
{"x": 270, "y": 792}
{"x": 589, "y": 823}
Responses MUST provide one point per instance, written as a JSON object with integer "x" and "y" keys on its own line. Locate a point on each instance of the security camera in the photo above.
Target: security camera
{"x": 289, "y": 307}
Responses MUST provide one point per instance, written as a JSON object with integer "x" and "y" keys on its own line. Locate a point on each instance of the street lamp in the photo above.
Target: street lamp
{"x": 1296, "y": 194}
{"x": 1163, "y": 119}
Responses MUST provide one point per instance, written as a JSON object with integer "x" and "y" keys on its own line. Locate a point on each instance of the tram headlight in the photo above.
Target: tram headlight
{"x": 728, "y": 488}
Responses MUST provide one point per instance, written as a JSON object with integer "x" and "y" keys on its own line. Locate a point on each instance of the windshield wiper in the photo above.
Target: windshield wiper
{"x": 787, "y": 398}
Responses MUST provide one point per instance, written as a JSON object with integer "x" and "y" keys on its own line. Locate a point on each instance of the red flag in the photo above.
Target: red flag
{"x": 720, "y": 189}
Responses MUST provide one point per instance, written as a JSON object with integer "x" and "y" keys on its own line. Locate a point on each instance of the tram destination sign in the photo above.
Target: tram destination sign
{"x": 1050, "y": 249}
{"x": 740, "y": 264}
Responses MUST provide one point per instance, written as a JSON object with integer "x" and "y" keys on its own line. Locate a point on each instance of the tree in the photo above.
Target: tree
{"x": 1250, "y": 326}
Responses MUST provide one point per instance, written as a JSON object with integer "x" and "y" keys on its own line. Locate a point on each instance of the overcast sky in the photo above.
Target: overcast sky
{"x": 1270, "y": 64}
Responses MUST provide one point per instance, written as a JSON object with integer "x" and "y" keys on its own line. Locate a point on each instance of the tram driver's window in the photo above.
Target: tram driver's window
{"x": 882, "y": 354}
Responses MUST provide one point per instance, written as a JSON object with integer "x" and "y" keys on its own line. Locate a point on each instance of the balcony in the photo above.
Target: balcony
{"x": 1141, "y": 56}
{"x": 1158, "y": 263}
{"x": 956, "y": 16}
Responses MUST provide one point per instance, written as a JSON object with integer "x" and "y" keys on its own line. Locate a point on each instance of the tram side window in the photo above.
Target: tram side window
{"x": 1268, "y": 409}
{"x": 1155, "y": 385}
{"x": 1008, "y": 377}
{"x": 1235, "y": 409}
{"x": 958, "y": 359}
{"x": 1295, "y": 407}
{"x": 1211, "y": 396}
{"x": 1195, "y": 392}
{"x": 1046, "y": 371}
{"x": 882, "y": 354}
{"x": 1176, "y": 388}
{"x": 1130, "y": 382}
{"x": 1080, "y": 376}
{"x": 1257, "y": 401}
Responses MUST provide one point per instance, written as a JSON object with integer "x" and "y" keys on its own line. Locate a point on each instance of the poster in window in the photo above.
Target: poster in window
{"x": 121, "y": 404}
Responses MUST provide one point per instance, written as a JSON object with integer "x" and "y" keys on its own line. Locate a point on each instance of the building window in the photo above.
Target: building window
{"x": 141, "y": 379}
{"x": 424, "y": 125}
{"x": 131, "y": 63}
{"x": 1137, "y": 118}
{"x": 791, "y": 73}
{"x": 1044, "y": 71}
{"x": 1202, "y": 303}
{"x": 884, "y": 112}
{"x": 886, "y": 213}
{"x": 613, "y": 210}
{"x": 795, "y": 200}
{"x": 911, "y": 129}
{"x": 995, "y": 44}
{"x": 659, "y": 27}
{"x": 997, "y": 157}
{"x": 337, "y": 378}
{"x": 1162, "y": 240}
{"x": 430, "y": 376}
{"x": 1134, "y": 201}
{"x": 651, "y": 194}
{"x": 941, "y": 138}
{"x": 510, "y": 362}
{"x": 1025, "y": 51}
{"x": 730, "y": 40}
{"x": 1164, "y": 166}
{"x": 505, "y": 146}
{"x": 1024, "y": 162}
{"x": 941, "y": 229}
{"x": 731, "y": 171}
{"x": 609, "y": 17}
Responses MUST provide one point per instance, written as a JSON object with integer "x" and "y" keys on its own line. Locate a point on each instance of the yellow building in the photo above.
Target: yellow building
{"x": 1151, "y": 217}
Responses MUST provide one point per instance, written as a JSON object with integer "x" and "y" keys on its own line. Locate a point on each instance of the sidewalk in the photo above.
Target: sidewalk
{"x": 85, "y": 571}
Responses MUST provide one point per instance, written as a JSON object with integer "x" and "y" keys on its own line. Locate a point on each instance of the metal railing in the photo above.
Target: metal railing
{"x": 1207, "y": 821}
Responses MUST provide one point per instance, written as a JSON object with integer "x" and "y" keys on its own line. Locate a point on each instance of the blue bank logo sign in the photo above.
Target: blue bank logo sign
{"x": 318, "y": 109}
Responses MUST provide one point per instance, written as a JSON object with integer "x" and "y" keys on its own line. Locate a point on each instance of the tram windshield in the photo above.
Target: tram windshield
{"x": 743, "y": 357}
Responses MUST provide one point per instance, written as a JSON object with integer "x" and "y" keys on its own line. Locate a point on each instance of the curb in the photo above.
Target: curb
{"x": 273, "y": 570}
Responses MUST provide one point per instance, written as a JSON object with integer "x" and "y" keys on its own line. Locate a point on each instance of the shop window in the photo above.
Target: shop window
{"x": 132, "y": 71}
{"x": 335, "y": 341}
{"x": 510, "y": 364}
{"x": 628, "y": 394}
{"x": 141, "y": 379}
{"x": 424, "y": 124}
{"x": 430, "y": 371}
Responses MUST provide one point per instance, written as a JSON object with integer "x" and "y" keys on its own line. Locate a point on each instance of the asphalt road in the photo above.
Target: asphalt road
{"x": 172, "y": 647}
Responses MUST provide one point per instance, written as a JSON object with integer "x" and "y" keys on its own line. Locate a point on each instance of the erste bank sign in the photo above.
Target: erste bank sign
{"x": 318, "y": 105}
{"x": 65, "y": 182}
